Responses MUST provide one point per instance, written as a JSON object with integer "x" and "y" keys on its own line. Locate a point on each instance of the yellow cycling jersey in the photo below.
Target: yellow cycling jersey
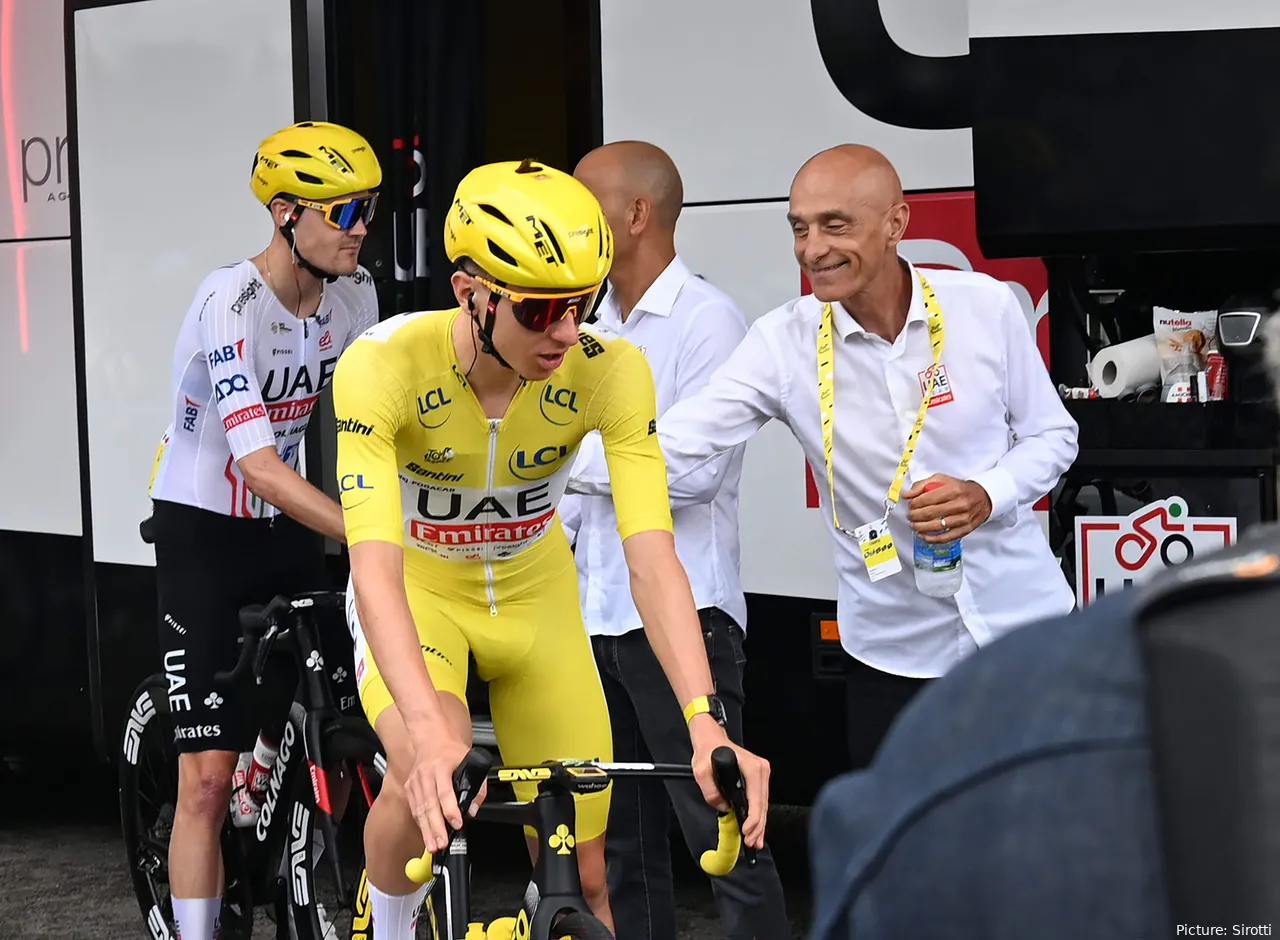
{"x": 472, "y": 499}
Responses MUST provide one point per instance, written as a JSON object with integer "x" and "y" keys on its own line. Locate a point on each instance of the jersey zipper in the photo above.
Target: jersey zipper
{"x": 494, "y": 424}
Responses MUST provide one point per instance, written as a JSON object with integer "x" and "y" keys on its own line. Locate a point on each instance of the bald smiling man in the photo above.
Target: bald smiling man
{"x": 686, "y": 328}
{"x": 846, "y": 369}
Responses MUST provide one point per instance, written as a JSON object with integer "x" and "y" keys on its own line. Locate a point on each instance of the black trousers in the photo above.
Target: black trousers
{"x": 874, "y": 699}
{"x": 648, "y": 725}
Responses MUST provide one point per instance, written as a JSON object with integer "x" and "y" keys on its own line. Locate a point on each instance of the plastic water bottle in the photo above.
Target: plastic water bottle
{"x": 938, "y": 564}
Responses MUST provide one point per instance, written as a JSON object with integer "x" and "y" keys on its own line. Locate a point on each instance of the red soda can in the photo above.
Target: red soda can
{"x": 1216, "y": 377}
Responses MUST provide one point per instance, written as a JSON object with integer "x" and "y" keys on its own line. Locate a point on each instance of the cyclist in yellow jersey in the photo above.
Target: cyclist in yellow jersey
{"x": 456, "y": 433}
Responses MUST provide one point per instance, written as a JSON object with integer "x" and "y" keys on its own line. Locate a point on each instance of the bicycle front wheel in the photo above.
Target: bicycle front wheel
{"x": 148, "y": 778}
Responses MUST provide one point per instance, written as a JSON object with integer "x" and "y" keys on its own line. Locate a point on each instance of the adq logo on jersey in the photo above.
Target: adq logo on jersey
{"x": 557, "y": 404}
{"x": 228, "y": 387}
{"x": 429, "y": 404}
{"x": 537, "y": 463}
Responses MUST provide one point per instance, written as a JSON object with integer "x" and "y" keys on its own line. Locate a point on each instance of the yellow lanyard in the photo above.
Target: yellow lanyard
{"x": 827, "y": 395}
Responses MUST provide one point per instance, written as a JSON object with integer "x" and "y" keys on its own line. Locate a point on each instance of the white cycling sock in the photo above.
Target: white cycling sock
{"x": 197, "y": 917}
{"x": 394, "y": 915}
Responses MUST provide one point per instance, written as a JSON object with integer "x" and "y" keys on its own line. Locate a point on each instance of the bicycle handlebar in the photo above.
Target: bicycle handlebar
{"x": 720, "y": 861}
{"x": 260, "y": 625}
{"x": 477, "y": 767}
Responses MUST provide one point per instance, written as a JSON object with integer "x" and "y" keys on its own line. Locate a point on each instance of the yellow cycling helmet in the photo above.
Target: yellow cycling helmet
{"x": 529, "y": 225}
{"x": 314, "y": 160}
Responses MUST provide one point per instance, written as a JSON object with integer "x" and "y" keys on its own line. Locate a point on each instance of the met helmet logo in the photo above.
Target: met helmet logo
{"x": 540, "y": 242}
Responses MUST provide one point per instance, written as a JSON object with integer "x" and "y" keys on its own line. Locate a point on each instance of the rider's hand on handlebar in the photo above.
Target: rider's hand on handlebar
{"x": 429, "y": 788}
{"x": 706, "y": 736}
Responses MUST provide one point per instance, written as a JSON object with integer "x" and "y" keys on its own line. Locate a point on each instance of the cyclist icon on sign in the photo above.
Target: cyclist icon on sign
{"x": 1134, "y": 550}
{"x": 1116, "y": 552}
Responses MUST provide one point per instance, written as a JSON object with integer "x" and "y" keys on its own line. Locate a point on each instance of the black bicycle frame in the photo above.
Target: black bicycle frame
{"x": 312, "y": 708}
{"x": 555, "y": 886}
{"x": 556, "y": 872}
{"x": 320, "y": 710}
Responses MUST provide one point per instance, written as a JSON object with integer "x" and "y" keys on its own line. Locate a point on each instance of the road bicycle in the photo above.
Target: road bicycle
{"x": 303, "y": 861}
{"x": 553, "y": 907}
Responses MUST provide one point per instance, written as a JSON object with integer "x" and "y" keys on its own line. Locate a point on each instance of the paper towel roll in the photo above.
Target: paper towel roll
{"x": 1125, "y": 367}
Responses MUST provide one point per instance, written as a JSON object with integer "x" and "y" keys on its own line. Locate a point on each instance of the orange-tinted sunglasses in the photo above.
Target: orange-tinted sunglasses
{"x": 538, "y": 311}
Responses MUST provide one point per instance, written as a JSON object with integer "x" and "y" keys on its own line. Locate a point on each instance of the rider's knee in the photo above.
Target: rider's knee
{"x": 392, "y": 791}
{"x": 591, "y": 870}
{"x": 391, "y": 798}
{"x": 205, "y": 784}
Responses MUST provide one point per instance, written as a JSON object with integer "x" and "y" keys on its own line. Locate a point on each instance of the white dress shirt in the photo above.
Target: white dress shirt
{"x": 686, "y": 328}
{"x": 997, "y": 420}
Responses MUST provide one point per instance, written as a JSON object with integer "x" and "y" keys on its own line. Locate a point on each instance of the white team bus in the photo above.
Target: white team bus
{"x": 129, "y": 128}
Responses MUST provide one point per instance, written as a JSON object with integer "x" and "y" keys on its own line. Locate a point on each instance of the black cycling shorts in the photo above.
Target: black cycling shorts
{"x": 208, "y": 566}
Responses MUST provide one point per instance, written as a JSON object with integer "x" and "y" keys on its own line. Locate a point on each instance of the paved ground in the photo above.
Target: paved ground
{"x": 62, "y": 864}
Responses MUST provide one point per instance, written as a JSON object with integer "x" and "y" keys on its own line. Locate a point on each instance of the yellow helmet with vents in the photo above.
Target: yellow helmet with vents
{"x": 529, "y": 225}
{"x": 314, "y": 160}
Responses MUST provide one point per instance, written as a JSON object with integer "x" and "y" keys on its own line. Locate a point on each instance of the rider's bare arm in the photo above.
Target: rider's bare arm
{"x": 665, "y": 603}
{"x": 275, "y": 482}
{"x": 742, "y": 395}
{"x": 624, "y": 410}
{"x": 229, "y": 343}
{"x": 624, "y": 414}
{"x": 370, "y": 406}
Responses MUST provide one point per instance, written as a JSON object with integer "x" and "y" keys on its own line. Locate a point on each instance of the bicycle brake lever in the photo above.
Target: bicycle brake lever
{"x": 264, "y": 650}
{"x": 470, "y": 776}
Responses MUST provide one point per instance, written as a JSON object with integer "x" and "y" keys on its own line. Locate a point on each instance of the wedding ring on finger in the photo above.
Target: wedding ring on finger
{"x": 945, "y": 527}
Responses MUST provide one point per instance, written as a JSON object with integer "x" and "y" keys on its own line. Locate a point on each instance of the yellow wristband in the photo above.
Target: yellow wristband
{"x": 698, "y": 706}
